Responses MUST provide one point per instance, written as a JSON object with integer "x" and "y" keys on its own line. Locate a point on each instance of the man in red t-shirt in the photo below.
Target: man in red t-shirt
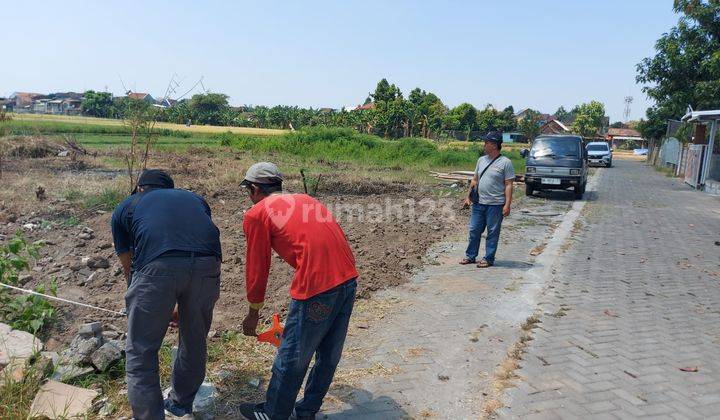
{"x": 305, "y": 234}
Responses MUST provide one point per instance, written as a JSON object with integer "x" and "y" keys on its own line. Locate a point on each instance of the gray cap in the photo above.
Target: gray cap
{"x": 262, "y": 173}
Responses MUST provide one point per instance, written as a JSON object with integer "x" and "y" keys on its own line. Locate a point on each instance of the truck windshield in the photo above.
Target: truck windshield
{"x": 555, "y": 147}
{"x": 597, "y": 148}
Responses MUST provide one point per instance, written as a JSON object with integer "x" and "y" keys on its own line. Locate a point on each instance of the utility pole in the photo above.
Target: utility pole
{"x": 626, "y": 114}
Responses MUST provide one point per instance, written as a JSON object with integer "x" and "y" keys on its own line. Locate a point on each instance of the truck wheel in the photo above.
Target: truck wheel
{"x": 528, "y": 190}
{"x": 609, "y": 165}
{"x": 579, "y": 191}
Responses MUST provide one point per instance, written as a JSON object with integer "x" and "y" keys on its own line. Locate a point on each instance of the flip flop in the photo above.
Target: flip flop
{"x": 466, "y": 261}
{"x": 484, "y": 264}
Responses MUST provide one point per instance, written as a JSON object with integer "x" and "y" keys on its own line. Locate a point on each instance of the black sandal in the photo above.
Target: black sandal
{"x": 484, "y": 264}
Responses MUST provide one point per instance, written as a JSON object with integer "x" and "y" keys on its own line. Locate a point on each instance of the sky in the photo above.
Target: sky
{"x": 524, "y": 53}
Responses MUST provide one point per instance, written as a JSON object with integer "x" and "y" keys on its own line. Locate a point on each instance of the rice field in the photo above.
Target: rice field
{"x": 200, "y": 129}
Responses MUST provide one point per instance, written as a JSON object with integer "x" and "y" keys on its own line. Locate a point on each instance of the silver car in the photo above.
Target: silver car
{"x": 599, "y": 153}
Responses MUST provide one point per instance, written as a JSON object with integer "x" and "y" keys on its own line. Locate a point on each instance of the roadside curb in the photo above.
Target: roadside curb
{"x": 535, "y": 281}
{"x": 542, "y": 268}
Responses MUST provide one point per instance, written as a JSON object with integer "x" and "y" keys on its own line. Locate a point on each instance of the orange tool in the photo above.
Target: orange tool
{"x": 274, "y": 334}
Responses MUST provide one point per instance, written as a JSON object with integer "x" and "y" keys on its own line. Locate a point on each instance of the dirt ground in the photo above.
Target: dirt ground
{"x": 388, "y": 240}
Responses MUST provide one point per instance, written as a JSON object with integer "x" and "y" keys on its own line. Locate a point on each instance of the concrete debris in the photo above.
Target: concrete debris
{"x": 223, "y": 374}
{"x": 65, "y": 373}
{"x": 14, "y": 371}
{"x": 85, "y": 236}
{"x": 111, "y": 335}
{"x": 56, "y": 400}
{"x": 91, "y": 350}
{"x": 204, "y": 402}
{"x": 91, "y": 329}
{"x": 107, "y": 410}
{"x": 97, "y": 262}
{"x": 254, "y": 382}
{"x": 30, "y": 226}
{"x": 106, "y": 356}
{"x": 17, "y": 344}
{"x": 52, "y": 356}
{"x": 81, "y": 349}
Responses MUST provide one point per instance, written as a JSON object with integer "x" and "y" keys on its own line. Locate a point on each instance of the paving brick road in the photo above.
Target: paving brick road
{"x": 635, "y": 299}
{"x": 433, "y": 349}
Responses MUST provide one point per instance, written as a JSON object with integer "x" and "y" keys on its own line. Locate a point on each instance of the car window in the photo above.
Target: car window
{"x": 555, "y": 147}
{"x": 597, "y": 148}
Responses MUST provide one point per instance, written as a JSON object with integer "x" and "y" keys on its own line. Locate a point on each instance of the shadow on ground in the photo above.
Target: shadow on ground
{"x": 356, "y": 403}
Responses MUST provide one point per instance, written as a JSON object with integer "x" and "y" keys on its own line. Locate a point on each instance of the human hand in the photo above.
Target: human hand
{"x": 250, "y": 323}
{"x": 174, "y": 318}
{"x": 506, "y": 210}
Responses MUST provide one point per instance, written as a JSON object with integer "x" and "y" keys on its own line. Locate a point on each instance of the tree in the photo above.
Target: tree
{"x": 140, "y": 117}
{"x": 390, "y": 109}
{"x": 385, "y": 92}
{"x": 417, "y": 108}
{"x": 425, "y": 112}
{"x": 209, "y": 108}
{"x": 506, "y": 119}
{"x": 529, "y": 126}
{"x": 435, "y": 116}
{"x": 97, "y": 104}
{"x": 686, "y": 67}
{"x": 490, "y": 119}
{"x": 486, "y": 119}
{"x": 463, "y": 118}
{"x": 179, "y": 113}
{"x": 562, "y": 115}
{"x": 589, "y": 119}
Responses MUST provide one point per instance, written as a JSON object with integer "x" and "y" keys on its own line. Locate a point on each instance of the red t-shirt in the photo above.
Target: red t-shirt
{"x": 305, "y": 234}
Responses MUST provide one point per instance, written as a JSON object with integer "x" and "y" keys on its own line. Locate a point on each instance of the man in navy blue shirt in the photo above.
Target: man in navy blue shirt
{"x": 169, "y": 248}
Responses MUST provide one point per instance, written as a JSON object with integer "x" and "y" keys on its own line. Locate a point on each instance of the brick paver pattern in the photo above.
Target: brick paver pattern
{"x": 635, "y": 299}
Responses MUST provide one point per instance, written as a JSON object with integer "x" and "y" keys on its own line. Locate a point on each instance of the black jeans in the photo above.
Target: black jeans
{"x": 194, "y": 284}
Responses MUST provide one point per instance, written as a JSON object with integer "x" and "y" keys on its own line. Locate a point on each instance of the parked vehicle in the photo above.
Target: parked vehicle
{"x": 599, "y": 153}
{"x": 556, "y": 162}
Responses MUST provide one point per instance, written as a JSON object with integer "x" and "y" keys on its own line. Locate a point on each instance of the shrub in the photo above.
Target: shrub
{"x": 106, "y": 200}
{"x": 24, "y": 312}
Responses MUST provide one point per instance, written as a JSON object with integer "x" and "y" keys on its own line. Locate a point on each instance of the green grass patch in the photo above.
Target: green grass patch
{"x": 73, "y": 194}
{"x": 113, "y": 162}
{"x": 309, "y": 146}
{"x": 669, "y": 172}
{"x": 106, "y": 199}
{"x": 17, "y": 396}
{"x": 38, "y": 127}
{"x": 169, "y": 143}
{"x": 70, "y": 221}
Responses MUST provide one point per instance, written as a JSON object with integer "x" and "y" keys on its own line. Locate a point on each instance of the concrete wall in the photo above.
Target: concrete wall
{"x": 714, "y": 172}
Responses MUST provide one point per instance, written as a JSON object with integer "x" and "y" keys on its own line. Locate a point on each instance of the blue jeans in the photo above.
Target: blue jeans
{"x": 314, "y": 326}
{"x": 484, "y": 216}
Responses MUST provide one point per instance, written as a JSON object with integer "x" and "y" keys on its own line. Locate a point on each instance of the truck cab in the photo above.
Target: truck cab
{"x": 556, "y": 162}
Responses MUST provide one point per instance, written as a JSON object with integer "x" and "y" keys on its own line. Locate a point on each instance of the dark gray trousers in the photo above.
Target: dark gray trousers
{"x": 194, "y": 284}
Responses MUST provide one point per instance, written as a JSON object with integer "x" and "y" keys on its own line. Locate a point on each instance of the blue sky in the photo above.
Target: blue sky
{"x": 332, "y": 53}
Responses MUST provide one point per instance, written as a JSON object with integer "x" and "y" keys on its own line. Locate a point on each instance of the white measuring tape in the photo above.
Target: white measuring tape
{"x": 32, "y": 292}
